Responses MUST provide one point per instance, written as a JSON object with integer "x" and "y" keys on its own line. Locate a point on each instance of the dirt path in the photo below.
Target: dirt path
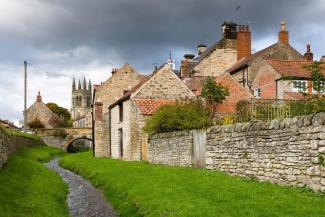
{"x": 84, "y": 200}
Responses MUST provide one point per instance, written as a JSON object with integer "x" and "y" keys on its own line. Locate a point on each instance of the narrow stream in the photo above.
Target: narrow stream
{"x": 84, "y": 200}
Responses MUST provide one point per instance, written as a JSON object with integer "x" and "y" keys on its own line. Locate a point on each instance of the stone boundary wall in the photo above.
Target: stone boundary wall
{"x": 174, "y": 148}
{"x": 288, "y": 152}
{"x": 9, "y": 144}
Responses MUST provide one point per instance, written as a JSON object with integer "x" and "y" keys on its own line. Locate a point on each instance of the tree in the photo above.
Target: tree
{"x": 55, "y": 121}
{"x": 316, "y": 75}
{"x": 36, "y": 124}
{"x": 63, "y": 113}
{"x": 214, "y": 94}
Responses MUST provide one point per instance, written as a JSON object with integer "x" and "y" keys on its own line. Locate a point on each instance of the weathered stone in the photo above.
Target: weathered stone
{"x": 321, "y": 150}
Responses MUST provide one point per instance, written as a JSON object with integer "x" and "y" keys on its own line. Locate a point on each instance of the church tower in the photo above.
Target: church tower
{"x": 81, "y": 98}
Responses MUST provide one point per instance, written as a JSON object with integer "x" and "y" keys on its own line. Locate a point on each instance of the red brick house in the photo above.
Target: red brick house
{"x": 283, "y": 79}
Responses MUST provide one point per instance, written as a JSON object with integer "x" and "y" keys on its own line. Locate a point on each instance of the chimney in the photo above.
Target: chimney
{"x": 284, "y": 34}
{"x": 309, "y": 56}
{"x": 244, "y": 44}
{"x": 322, "y": 59}
{"x": 201, "y": 48}
{"x": 229, "y": 30}
{"x": 114, "y": 71}
{"x": 189, "y": 57}
{"x": 39, "y": 97}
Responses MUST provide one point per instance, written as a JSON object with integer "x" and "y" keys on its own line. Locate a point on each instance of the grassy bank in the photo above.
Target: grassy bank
{"x": 140, "y": 189}
{"x": 28, "y": 188}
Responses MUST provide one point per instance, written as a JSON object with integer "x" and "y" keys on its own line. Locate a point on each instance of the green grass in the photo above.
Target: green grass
{"x": 13, "y": 132}
{"x": 29, "y": 189}
{"x": 140, "y": 189}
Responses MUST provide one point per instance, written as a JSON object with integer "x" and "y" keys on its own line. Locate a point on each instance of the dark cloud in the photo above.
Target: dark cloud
{"x": 61, "y": 37}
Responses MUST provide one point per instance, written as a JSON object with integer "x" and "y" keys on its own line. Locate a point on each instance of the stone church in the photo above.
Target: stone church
{"x": 81, "y": 101}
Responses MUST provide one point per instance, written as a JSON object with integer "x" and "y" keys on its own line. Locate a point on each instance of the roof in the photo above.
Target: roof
{"x": 222, "y": 44}
{"x": 150, "y": 106}
{"x": 7, "y": 123}
{"x": 195, "y": 82}
{"x": 245, "y": 61}
{"x": 291, "y": 68}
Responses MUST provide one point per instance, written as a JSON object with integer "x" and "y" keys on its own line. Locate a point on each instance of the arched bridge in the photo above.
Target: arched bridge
{"x": 63, "y": 137}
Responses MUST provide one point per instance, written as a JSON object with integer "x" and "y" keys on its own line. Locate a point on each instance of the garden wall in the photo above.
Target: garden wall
{"x": 10, "y": 143}
{"x": 289, "y": 152}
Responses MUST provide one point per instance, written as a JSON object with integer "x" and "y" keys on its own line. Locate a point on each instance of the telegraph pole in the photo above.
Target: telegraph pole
{"x": 25, "y": 96}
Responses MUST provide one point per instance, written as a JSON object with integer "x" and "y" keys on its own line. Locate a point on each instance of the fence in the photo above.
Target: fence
{"x": 258, "y": 109}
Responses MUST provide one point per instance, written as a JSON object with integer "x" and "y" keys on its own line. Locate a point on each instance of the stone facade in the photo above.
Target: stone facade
{"x": 105, "y": 94}
{"x": 174, "y": 148}
{"x": 288, "y": 152}
{"x": 40, "y": 111}
{"x": 9, "y": 144}
{"x": 216, "y": 63}
{"x": 127, "y": 138}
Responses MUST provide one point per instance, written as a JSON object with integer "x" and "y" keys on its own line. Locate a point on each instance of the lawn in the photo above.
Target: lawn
{"x": 29, "y": 189}
{"x": 140, "y": 189}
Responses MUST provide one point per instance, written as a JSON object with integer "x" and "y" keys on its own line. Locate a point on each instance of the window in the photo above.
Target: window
{"x": 320, "y": 86}
{"x": 257, "y": 92}
{"x": 120, "y": 137}
{"x": 299, "y": 86}
{"x": 121, "y": 111}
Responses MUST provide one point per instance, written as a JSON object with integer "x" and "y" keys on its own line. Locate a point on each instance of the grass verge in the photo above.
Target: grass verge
{"x": 140, "y": 189}
{"x": 28, "y": 188}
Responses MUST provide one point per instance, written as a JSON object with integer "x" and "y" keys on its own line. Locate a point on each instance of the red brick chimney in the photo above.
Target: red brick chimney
{"x": 309, "y": 56}
{"x": 244, "y": 42}
{"x": 185, "y": 67}
{"x": 284, "y": 34}
{"x": 39, "y": 97}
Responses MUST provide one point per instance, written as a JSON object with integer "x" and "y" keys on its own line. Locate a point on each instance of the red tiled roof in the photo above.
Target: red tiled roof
{"x": 194, "y": 83}
{"x": 291, "y": 68}
{"x": 149, "y": 106}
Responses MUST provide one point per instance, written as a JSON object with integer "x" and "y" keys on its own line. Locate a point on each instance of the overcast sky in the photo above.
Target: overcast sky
{"x": 65, "y": 38}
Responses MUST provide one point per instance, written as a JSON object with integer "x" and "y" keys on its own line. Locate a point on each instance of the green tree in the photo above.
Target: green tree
{"x": 36, "y": 124}
{"x": 61, "y": 112}
{"x": 214, "y": 94}
{"x": 316, "y": 75}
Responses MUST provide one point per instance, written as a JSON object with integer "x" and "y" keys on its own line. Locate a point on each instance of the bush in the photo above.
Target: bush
{"x": 36, "y": 124}
{"x": 179, "y": 116}
{"x": 307, "y": 107}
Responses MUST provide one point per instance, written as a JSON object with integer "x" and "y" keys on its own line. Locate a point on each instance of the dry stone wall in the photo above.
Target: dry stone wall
{"x": 175, "y": 149}
{"x": 9, "y": 144}
{"x": 288, "y": 152}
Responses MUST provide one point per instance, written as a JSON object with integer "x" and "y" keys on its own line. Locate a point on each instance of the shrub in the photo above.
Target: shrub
{"x": 179, "y": 116}
{"x": 36, "y": 124}
{"x": 306, "y": 107}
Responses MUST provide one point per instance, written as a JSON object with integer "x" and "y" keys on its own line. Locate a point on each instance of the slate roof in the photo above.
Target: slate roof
{"x": 149, "y": 106}
{"x": 291, "y": 68}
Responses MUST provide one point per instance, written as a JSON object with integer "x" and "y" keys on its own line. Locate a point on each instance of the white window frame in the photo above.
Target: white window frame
{"x": 297, "y": 89}
{"x": 323, "y": 88}
{"x": 257, "y": 92}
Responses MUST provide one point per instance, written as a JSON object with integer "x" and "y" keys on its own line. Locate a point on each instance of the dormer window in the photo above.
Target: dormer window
{"x": 299, "y": 86}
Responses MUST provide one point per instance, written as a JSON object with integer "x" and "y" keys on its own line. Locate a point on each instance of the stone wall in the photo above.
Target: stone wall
{"x": 9, "y": 144}
{"x": 216, "y": 63}
{"x": 175, "y": 149}
{"x": 288, "y": 152}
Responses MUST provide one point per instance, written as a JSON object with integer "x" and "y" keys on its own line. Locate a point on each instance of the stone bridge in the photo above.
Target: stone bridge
{"x": 63, "y": 137}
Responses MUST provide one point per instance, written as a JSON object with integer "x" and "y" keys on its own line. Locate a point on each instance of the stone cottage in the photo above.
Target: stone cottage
{"x": 128, "y": 114}
{"x": 39, "y": 111}
{"x": 121, "y": 81}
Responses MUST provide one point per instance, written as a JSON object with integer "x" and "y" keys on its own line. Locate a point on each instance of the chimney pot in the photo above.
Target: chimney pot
{"x": 189, "y": 56}
{"x": 39, "y": 97}
{"x": 201, "y": 48}
{"x": 283, "y": 34}
{"x": 309, "y": 56}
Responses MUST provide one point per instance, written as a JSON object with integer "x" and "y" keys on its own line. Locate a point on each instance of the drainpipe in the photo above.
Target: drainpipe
{"x": 110, "y": 131}
{"x": 93, "y": 128}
